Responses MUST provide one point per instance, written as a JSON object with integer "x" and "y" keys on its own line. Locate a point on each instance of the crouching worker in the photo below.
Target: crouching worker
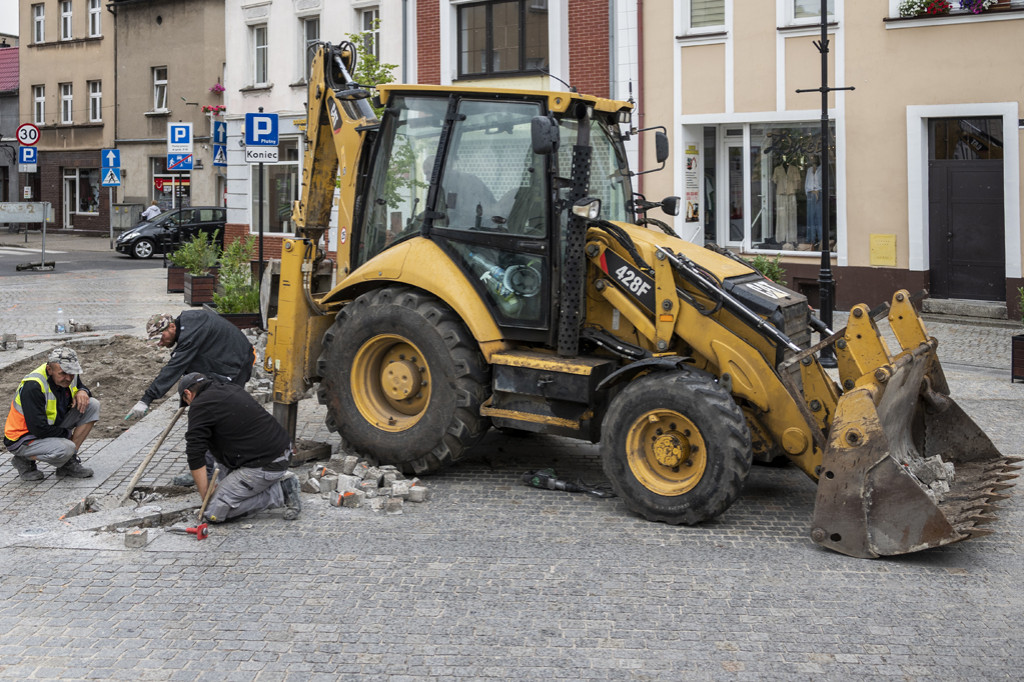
{"x": 230, "y": 430}
{"x": 50, "y": 416}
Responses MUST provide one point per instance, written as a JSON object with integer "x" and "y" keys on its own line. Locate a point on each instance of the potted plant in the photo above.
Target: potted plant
{"x": 1017, "y": 343}
{"x": 976, "y": 6}
{"x": 769, "y": 268}
{"x": 199, "y": 258}
{"x": 175, "y": 274}
{"x": 916, "y": 8}
{"x": 237, "y": 298}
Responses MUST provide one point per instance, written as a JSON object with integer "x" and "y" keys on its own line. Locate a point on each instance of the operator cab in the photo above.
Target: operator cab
{"x": 461, "y": 170}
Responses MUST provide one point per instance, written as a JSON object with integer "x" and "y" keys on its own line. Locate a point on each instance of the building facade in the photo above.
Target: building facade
{"x": 923, "y": 155}
{"x": 170, "y": 69}
{"x": 268, "y": 71}
{"x": 66, "y": 89}
{"x": 9, "y": 120}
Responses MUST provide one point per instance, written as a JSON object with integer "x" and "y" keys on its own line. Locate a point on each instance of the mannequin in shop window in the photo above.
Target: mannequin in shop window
{"x": 786, "y": 177}
{"x": 812, "y": 187}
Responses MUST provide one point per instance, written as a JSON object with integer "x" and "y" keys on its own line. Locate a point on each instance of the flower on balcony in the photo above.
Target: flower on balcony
{"x": 217, "y": 88}
{"x": 215, "y": 109}
{"x": 937, "y": 7}
{"x": 976, "y": 6}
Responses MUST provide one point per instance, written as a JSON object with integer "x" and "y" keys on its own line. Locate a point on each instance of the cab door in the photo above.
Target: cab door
{"x": 491, "y": 212}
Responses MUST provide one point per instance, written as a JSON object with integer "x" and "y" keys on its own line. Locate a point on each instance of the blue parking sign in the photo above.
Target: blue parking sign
{"x": 261, "y": 130}
{"x": 28, "y": 155}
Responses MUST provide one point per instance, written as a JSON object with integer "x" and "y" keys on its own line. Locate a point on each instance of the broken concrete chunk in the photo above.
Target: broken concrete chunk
{"x": 329, "y": 483}
{"x": 376, "y": 504}
{"x": 348, "y": 464}
{"x": 418, "y": 493}
{"x": 393, "y": 505}
{"x": 353, "y": 498}
{"x": 311, "y": 485}
{"x": 360, "y": 469}
{"x": 400, "y": 489}
{"x": 373, "y": 474}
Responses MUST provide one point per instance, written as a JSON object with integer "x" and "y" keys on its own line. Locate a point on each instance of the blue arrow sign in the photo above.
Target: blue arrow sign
{"x": 179, "y": 162}
{"x": 261, "y": 130}
{"x": 220, "y": 132}
{"x": 110, "y": 158}
{"x": 220, "y": 155}
{"x": 111, "y": 177}
{"x": 28, "y": 155}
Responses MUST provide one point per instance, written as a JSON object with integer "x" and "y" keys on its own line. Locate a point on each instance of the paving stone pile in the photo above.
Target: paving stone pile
{"x": 352, "y": 482}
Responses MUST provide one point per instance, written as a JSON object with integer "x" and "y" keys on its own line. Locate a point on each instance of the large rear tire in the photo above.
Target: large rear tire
{"x": 403, "y": 380}
{"x": 676, "y": 447}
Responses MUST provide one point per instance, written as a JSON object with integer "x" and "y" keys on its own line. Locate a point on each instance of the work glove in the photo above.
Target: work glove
{"x": 138, "y": 411}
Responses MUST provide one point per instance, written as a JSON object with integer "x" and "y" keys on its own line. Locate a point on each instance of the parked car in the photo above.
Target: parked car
{"x": 169, "y": 230}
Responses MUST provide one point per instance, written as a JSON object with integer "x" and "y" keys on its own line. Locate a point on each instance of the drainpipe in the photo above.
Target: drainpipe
{"x": 405, "y": 41}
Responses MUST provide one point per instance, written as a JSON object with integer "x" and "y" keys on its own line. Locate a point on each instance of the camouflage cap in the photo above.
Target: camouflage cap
{"x": 67, "y": 359}
{"x": 157, "y": 324}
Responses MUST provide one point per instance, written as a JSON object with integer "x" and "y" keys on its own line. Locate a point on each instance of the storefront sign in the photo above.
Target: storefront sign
{"x": 883, "y": 249}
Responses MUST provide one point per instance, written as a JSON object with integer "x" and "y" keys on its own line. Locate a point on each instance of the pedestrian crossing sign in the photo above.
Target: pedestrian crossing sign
{"x": 111, "y": 177}
{"x": 220, "y": 155}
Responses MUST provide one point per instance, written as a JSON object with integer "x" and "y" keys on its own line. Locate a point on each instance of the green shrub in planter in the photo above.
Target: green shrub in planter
{"x": 237, "y": 292}
{"x": 770, "y": 268}
{"x": 197, "y": 255}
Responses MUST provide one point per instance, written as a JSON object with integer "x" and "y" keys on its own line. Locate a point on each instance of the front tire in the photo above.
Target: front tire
{"x": 403, "y": 380}
{"x": 676, "y": 447}
{"x": 143, "y": 248}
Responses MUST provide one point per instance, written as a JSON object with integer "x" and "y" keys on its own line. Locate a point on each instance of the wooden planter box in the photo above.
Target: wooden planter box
{"x": 199, "y": 290}
{"x": 240, "y": 320}
{"x": 175, "y": 279}
{"x": 1017, "y": 357}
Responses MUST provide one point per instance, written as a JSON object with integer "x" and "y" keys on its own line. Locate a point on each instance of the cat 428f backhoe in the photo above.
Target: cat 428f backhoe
{"x": 490, "y": 271}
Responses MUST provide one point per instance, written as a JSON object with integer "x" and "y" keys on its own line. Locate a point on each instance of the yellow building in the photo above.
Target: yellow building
{"x": 925, "y": 189}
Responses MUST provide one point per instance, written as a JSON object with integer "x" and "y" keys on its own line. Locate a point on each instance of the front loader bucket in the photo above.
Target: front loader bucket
{"x": 904, "y": 468}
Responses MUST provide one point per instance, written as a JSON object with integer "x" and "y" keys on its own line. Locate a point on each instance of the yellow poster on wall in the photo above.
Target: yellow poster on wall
{"x": 883, "y": 249}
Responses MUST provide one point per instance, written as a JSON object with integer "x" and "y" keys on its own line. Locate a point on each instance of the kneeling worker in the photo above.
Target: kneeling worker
{"x": 50, "y": 416}
{"x": 230, "y": 430}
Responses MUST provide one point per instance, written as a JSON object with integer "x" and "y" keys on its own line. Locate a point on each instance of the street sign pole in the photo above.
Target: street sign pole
{"x": 110, "y": 211}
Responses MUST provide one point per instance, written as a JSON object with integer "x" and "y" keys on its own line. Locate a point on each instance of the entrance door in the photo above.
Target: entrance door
{"x": 965, "y": 210}
{"x": 70, "y": 199}
{"x": 734, "y": 165}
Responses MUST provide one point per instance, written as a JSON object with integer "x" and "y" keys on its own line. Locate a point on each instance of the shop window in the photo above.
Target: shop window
{"x": 171, "y": 190}
{"x": 82, "y": 186}
{"x": 506, "y": 37}
{"x": 280, "y": 190}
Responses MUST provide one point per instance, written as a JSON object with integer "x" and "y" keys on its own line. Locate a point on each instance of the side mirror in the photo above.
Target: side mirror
{"x": 544, "y": 135}
{"x": 670, "y": 205}
{"x": 661, "y": 146}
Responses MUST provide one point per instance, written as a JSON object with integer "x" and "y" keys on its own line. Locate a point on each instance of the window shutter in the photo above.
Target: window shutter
{"x": 707, "y": 13}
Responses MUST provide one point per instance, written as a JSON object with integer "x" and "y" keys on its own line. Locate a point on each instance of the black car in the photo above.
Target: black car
{"x": 169, "y": 230}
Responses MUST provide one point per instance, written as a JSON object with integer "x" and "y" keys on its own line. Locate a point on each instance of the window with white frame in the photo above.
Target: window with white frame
{"x": 39, "y": 104}
{"x": 259, "y": 55}
{"x": 95, "y": 18}
{"x": 706, "y": 14}
{"x": 310, "y": 37}
{"x": 39, "y": 23}
{"x": 502, "y": 37}
{"x": 65, "y": 20}
{"x": 807, "y": 11}
{"x": 67, "y": 108}
{"x": 95, "y": 101}
{"x": 82, "y": 186}
{"x": 159, "y": 88}
{"x": 369, "y": 25}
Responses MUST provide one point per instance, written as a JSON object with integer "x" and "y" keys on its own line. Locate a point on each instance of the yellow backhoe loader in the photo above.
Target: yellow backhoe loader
{"x": 491, "y": 271}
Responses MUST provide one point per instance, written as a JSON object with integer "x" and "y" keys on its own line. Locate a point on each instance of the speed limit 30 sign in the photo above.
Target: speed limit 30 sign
{"x": 28, "y": 134}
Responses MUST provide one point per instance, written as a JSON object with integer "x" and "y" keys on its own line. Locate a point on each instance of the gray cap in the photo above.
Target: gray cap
{"x": 187, "y": 382}
{"x": 67, "y": 359}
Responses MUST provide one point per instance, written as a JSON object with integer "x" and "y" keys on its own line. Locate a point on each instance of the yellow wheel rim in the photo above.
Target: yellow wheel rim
{"x": 666, "y": 452}
{"x": 390, "y": 382}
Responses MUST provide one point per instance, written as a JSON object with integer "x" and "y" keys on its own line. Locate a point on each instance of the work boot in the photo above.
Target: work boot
{"x": 290, "y": 488}
{"x": 26, "y": 469}
{"x": 73, "y": 468}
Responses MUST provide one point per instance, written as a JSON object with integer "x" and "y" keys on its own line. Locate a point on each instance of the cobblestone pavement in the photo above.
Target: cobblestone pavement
{"x": 492, "y": 580}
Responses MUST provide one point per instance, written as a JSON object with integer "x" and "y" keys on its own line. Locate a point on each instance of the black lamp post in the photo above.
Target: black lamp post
{"x": 826, "y": 284}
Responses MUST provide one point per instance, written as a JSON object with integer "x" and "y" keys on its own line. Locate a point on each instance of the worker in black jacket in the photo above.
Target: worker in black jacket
{"x": 230, "y": 430}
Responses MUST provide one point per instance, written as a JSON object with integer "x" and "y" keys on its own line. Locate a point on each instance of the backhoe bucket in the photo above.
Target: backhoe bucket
{"x": 904, "y": 468}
